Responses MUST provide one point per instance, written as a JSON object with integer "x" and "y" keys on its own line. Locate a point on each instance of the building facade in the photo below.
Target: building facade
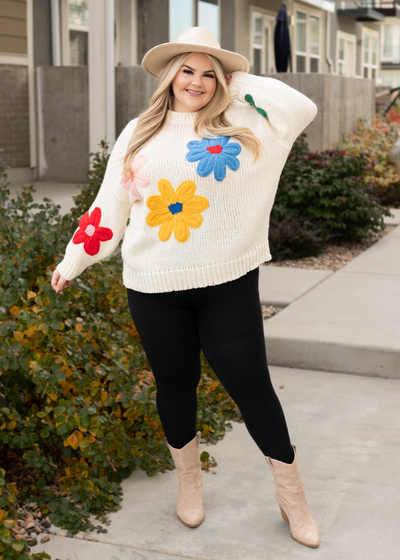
{"x": 87, "y": 54}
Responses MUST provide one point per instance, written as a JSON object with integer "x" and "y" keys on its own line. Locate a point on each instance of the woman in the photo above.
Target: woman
{"x": 197, "y": 174}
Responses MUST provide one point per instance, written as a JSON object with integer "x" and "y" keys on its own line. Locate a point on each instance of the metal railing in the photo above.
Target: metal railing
{"x": 384, "y": 4}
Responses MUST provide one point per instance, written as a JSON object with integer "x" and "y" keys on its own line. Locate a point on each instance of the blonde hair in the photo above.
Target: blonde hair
{"x": 211, "y": 117}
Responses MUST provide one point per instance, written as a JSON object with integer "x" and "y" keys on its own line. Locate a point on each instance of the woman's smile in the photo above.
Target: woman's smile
{"x": 195, "y": 93}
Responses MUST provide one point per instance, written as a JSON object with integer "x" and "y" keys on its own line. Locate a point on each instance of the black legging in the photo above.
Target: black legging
{"x": 225, "y": 321}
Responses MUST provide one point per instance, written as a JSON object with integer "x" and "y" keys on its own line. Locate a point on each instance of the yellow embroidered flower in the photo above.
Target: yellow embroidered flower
{"x": 175, "y": 210}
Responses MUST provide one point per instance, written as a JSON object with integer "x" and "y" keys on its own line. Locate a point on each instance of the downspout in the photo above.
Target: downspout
{"x": 55, "y": 32}
{"x": 328, "y": 42}
{"x": 110, "y": 72}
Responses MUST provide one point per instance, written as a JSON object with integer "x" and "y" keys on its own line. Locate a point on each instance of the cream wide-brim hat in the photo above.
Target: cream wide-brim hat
{"x": 193, "y": 39}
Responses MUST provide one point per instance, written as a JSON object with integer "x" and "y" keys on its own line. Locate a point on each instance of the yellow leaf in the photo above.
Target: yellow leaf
{"x": 30, "y": 332}
{"x": 18, "y": 335}
{"x": 36, "y": 309}
{"x": 14, "y": 310}
{"x": 86, "y": 441}
{"x": 74, "y": 439}
{"x": 31, "y": 295}
{"x": 67, "y": 370}
{"x": 78, "y": 327}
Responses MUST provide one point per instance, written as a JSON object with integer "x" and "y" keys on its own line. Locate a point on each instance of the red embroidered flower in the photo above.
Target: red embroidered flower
{"x": 90, "y": 233}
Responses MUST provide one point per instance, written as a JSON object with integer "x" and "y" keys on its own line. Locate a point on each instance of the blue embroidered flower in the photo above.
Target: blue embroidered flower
{"x": 214, "y": 155}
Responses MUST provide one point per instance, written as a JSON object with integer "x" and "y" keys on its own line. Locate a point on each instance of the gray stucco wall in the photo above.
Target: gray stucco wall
{"x": 42, "y": 33}
{"x": 340, "y": 101}
{"x": 62, "y": 123}
{"x": 153, "y": 25}
{"x": 133, "y": 90}
{"x": 228, "y": 18}
{"x": 14, "y": 115}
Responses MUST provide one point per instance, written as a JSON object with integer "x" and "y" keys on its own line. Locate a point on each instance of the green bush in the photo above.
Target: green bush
{"x": 322, "y": 196}
{"x": 376, "y": 140}
{"x": 77, "y": 395}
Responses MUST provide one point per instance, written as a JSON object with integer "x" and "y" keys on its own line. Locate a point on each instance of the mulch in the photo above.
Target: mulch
{"x": 335, "y": 255}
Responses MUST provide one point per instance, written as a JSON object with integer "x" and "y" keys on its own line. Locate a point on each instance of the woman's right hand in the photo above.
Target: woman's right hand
{"x": 58, "y": 282}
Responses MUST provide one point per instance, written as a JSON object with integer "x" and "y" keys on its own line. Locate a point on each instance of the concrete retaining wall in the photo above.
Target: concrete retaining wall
{"x": 62, "y": 102}
{"x": 340, "y": 100}
{"x": 133, "y": 90}
{"x": 14, "y": 115}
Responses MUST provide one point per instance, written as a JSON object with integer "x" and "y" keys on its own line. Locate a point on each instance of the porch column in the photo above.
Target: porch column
{"x": 101, "y": 73}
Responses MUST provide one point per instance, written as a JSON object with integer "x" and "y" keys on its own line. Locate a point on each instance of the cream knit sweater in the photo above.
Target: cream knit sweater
{"x": 199, "y": 208}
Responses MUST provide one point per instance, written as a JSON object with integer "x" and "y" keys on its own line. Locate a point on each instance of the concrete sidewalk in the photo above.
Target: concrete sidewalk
{"x": 60, "y": 193}
{"x": 345, "y": 427}
{"x": 346, "y": 431}
{"x": 349, "y": 322}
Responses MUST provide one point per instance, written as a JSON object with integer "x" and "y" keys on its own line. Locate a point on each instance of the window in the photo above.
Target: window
{"x": 387, "y": 40}
{"x": 390, "y": 78}
{"x": 208, "y": 16}
{"x": 180, "y": 17}
{"x": 307, "y": 42}
{"x": 192, "y": 13}
{"x": 257, "y": 43}
{"x": 346, "y": 54}
{"x": 301, "y": 40}
{"x": 314, "y": 43}
{"x": 370, "y": 54}
{"x": 78, "y": 25}
{"x": 341, "y": 60}
{"x": 262, "y": 59}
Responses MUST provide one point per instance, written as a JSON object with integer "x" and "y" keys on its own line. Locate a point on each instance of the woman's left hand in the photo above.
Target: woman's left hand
{"x": 228, "y": 78}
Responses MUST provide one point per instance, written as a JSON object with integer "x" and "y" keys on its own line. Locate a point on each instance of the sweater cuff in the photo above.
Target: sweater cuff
{"x": 68, "y": 269}
{"x": 238, "y": 79}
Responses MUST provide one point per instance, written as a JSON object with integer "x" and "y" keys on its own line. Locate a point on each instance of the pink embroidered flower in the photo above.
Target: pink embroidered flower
{"x": 134, "y": 179}
{"x": 90, "y": 233}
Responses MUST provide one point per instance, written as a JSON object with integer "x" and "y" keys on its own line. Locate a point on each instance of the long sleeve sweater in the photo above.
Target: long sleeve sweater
{"x": 199, "y": 208}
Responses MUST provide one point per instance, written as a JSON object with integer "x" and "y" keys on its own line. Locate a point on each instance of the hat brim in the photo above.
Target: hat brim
{"x": 157, "y": 57}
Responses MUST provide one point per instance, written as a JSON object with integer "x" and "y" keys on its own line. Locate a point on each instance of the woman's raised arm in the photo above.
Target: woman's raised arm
{"x": 287, "y": 110}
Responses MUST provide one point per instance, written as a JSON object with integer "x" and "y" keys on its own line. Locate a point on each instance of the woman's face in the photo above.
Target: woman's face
{"x": 195, "y": 75}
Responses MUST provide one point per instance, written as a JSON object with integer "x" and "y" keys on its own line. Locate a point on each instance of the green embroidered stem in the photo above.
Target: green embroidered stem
{"x": 250, "y": 100}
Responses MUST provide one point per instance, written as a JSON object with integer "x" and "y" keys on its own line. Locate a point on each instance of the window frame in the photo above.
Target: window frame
{"x": 346, "y": 37}
{"x": 366, "y": 31}
{"x": 195, "y": 17}
{"x": 307, "y": 54}
{"x": 267, "y": 20}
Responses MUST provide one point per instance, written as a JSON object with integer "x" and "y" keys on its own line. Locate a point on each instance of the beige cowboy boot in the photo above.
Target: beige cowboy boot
{"x": 292, "y": 501}
{"x": 189, "y": 507}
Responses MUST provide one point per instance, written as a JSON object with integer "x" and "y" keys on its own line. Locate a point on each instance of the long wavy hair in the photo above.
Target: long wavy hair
{"x": 211, "y": 117}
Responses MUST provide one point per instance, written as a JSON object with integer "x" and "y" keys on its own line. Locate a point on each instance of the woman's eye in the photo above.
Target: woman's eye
{"x": 206, "y": 75}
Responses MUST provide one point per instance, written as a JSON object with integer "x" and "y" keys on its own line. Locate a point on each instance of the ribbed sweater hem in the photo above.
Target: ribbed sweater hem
{"x": 196, "y": 277}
